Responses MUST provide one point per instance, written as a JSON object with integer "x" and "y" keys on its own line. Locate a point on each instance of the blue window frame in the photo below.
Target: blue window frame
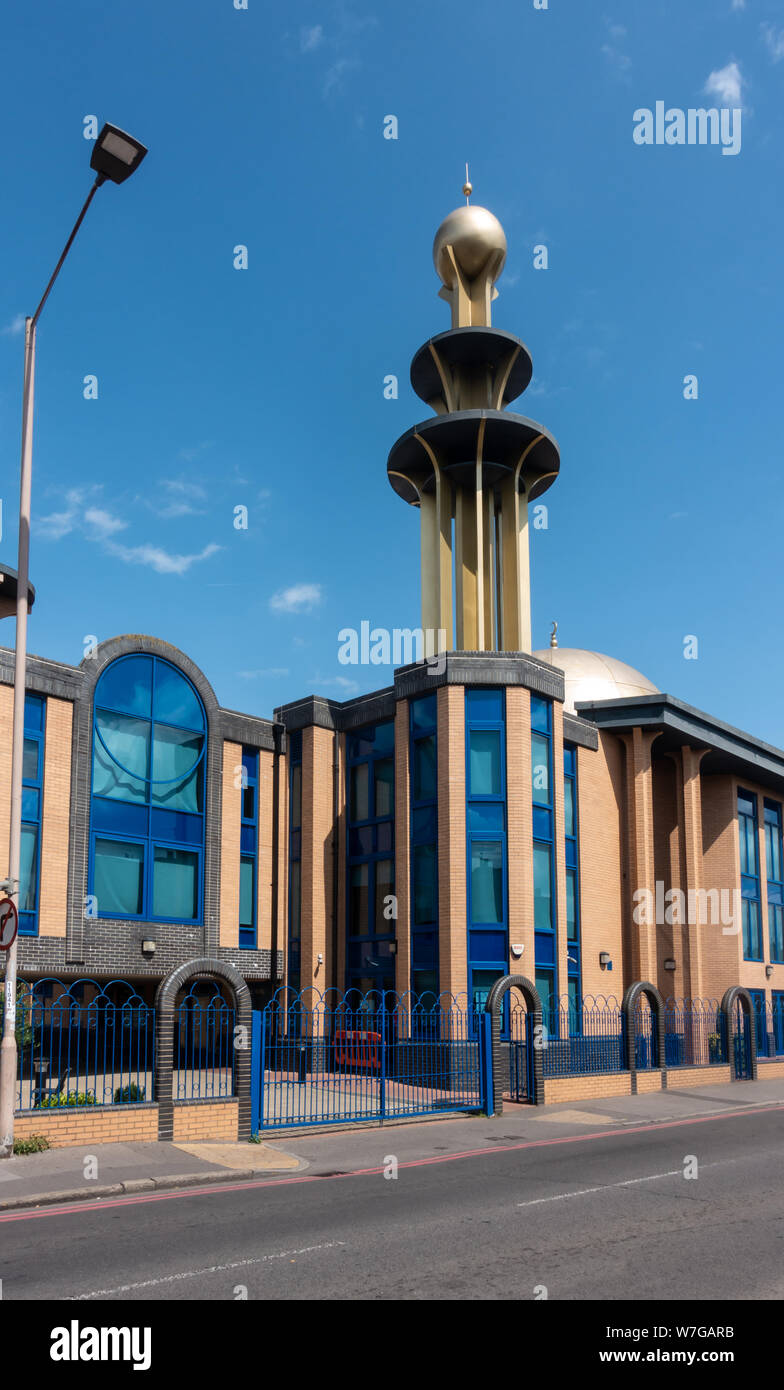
{"x": 249, "y": 849}
{"x": 370, "y": 920}
{"x": 488, "y": 921}
{"x": 545, "y": 917}
{"x": 423, "y": 754}
{"x": 757, "y": 997}
{"x": 572, "y": 863}
{"x": 777, "y": 1000}
{"x": 147, "y": 803}
{"x": 32, "y": 810}
{"x": 775, "y": 872}
{"x": 295, "y": 860}
{"x": 749, "y": 876}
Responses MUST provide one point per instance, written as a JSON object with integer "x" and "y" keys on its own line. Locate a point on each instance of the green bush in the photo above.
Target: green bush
{"x": 129, "y": 1095}
{"x": 24, "y": 1032}
{"x": 34, "y": 1145}
{"x": 75, "y": 1098}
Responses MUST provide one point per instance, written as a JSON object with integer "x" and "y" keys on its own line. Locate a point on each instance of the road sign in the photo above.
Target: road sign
{"x": 9, "y": 922}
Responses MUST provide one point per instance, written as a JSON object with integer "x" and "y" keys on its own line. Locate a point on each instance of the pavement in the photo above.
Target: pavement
{"x": 112, "y": 1170}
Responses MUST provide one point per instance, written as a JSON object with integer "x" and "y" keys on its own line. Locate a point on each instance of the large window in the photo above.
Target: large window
{"x": 147, "y": 817}
{"x": 488, "y": 936}
{"x": 370, "y": 953}
{"x": 32, "y": 798}
{"x": 571, "y": 855}
{"x": 249, "y": 848}
{"x": 749, "y": 876}
{"x": 775, "y": 873}
{"x": 544, "y": 849}
{"x": 424, "y": 846}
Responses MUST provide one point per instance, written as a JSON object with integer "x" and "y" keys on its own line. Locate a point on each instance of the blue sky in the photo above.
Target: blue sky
{"x": 263, "y": 387}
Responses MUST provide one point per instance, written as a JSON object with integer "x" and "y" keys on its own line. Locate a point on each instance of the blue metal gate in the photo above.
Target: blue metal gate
{"x": 740, "y": 1026}
{"x": 520, "y": 1051}
{"x": 340, "y": 1059}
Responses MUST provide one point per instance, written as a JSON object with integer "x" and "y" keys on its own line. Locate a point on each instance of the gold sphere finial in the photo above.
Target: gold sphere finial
{"x": 554, "y": 635}
{"x": 468, "y": 187}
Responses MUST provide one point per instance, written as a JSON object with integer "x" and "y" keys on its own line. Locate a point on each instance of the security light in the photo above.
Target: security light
{"x": 604, "y": 959}
{"x": 670, "y": 964}
{"x": 116, "y": 155}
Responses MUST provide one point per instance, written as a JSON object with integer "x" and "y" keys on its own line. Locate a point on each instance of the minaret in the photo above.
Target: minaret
{"x": 473, "y": 470}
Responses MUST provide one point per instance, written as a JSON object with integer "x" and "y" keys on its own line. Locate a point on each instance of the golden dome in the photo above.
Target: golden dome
{"x": 474, "y": 234}
{"x": 593, "y": 676}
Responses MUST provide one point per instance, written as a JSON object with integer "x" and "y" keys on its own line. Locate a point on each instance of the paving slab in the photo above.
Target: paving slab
{"x": 258, "y": 1157}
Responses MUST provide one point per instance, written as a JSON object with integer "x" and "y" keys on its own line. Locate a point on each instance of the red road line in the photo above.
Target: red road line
{"x": 103, "y": 1204}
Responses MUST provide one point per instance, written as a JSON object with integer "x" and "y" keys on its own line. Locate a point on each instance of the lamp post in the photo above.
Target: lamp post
{"x": 115, "y": 157}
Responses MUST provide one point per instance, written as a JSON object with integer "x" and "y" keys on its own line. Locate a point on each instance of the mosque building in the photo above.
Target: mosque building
{"x": 494, "y": 810}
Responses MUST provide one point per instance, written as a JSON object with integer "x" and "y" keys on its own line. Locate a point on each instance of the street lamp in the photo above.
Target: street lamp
{"x": 115, "y": 157}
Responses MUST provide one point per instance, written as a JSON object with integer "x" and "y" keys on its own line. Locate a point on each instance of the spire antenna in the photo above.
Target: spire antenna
{"x": 468, "y": 188}
{"x": 554, "y": 635}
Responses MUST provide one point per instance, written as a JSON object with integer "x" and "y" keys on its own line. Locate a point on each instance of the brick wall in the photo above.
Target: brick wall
{"x": 99, "y": 1124}
{"x": 264, "y": 865}
{"x": 205, "y": 1119}
{"x": 53, "y": 890}
{"x": 318, "y": 830}
{"x": 600, "y": 790}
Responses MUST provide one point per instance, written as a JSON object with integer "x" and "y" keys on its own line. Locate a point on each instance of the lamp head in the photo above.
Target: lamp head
{"x": 116, "y": 155}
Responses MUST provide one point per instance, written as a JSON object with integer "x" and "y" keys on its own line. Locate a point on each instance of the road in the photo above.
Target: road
{"x": 607, "y": 1217}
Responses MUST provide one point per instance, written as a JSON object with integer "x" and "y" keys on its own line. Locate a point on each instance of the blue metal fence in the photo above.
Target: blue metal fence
{"x": 769, "y": 1028}
{"x": 695, "y": 1033}
{"x": 83, "y": 1044}
{"x": 336, "y": 1058}
{"x": 203, "y": 1055}
{"x": 583, "y": 1038}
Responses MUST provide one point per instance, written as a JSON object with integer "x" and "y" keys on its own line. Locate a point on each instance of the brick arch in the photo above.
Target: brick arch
{"x": 533, "y": 1005}
{"x": 92, "y": 668}
{"x": 736, "y": 994}
{"x": 165, "y": 998}
{"x": 628, "y": 1006}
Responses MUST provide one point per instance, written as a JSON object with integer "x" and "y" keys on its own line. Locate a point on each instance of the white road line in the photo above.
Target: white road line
{"x": 586, "y": 1191}
{"x": 210, "y": 1269}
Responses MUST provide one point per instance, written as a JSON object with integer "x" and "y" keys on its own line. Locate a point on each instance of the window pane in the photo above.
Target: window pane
{"x": 385, "y": 887}
{"x": 127, "y": 685}
{"x": 360, "y": 804}
{"x": 175, "y": 883}
{"x": 176, "y": 701}
{"x": 294, "y": 920}
{"x": 425, "y": 769}
{"x": 120, "y": 771}
{"x": 751, "y": 943}
{"x": 540, "y": 769}
{"x": 485, "y": 705}
{"x": 487, "y": 898}
{"x": 247, "y": 915}
{"x": 425, "y": 897}
{"x": 482, "y": 982}
{"x": 117, "y": 878}
{"x": 384, "y": 773}
{"x": 543, "y": 902}
{"x": 544, "y": 987}
{"x": 28, "y": 867}
{"x": 249, "y": 803}
{"x": 776, "y": 931}
{"x": 30, "y": 760}
{"x": 176, "y": 754}
{"x": 423, "y": 713}
{"x": 569, "y": 807}
{"x": 296, "y": 795}
{"x": 773, "y": 851}
{"x": 30, "y": 801}
{"x": 34, "y": 713}
{"x": 571, "y": 904}
{"x": 358, "y": 904}
{"x": 484, "y": 761}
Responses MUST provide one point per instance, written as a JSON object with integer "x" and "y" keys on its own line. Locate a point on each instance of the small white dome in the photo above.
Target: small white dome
{"x": 593, "y": 676}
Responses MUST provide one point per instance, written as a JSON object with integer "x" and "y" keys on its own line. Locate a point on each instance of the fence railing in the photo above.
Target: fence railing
{"x": 583, "y": 1038}
{"x": 769, "y": 1029}
{"x": 203, "y": 1055}
{"x": 695, "y": 1034}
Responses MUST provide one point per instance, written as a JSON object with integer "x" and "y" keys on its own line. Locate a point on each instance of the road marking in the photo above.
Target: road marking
{"x": 627, "y": 1182}
{"x": 105, "y": 1203}
{"x": 209, "y": 1269}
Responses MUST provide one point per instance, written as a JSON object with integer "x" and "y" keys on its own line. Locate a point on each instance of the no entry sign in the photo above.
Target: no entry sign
{"x": 9, "y": 922}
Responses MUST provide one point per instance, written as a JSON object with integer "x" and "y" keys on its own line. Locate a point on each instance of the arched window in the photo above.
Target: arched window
{"x": 147, "y": 811}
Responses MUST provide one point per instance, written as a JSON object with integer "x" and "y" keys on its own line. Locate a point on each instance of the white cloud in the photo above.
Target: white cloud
{"x": 612, "y": 51}
{"x": 738, "y": 4}
{"x": 343, "y": 683}
{"x": 102, "y": 523}
{"x": 310, "y": 39}
{"x": 15, "y": 327}
{"x": 58, "y": 524}
{"x": 727, "y": 85}
{"x": 158, "y": 559}
{"x": 182, "y": 488}
{"x": 299, "y": 598}
{"x": 333, "y": 80}
{"x": 774, "y": 41}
